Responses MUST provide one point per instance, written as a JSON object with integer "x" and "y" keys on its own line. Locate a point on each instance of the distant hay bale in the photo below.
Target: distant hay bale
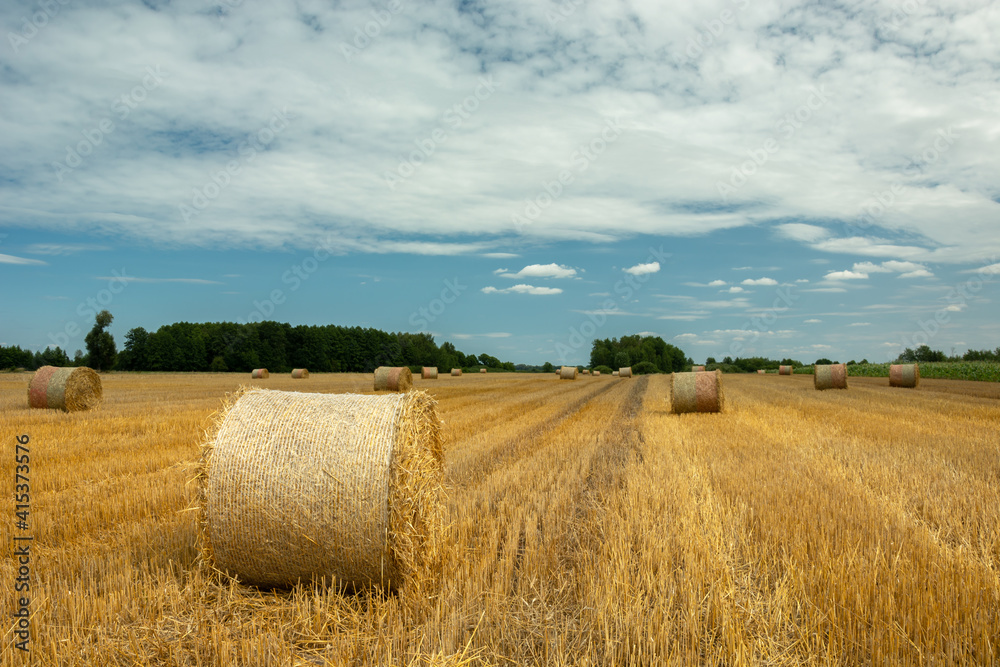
{"x": 761, "y": 372}
{"x": 830, "y": 376}
{"x": 260, "y": 374}
{"x": 614, "y": 373}
{"x": 597, "y": 374}
{"x": 697, "y": 369}
{"x": 68, "y": 389}
{"x": 904, "y": 375}
{"x": 389, "y": 378}
{"x": 429, "y": 373}
{"x": 300, "y": 374}
{"x": 482, "y": 370}
{"x": 697, "y": 391}
{"x": 298, "y": 486}
{"x": 784, "y": 370}
{"x": 567, "y": 373}
{"x": 585, "y": 371}
{"x": 625, "y": 372}
{"x": 456, "y": 372}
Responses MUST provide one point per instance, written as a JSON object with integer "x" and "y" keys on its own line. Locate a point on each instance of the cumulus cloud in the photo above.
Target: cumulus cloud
{"x": 523, "y": 289}
{"x": 717, "y": 283}
{"x": 860, "y": 324}
{"x": 759, "y": 281}
{"x": 643, "y": 269}
{"x": 813, "y": 321}
{"x": 846, "y": 275}
{"x": 735, "y": 290}
{"x": 539, "y": 271}
{"x": 11, "y": 259}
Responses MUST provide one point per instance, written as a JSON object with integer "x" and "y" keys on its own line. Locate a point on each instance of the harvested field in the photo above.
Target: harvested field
{"x": 586, "y": 525}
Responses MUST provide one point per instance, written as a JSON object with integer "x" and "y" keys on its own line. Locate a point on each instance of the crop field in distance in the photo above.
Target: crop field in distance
{"x": 586, "y": 525}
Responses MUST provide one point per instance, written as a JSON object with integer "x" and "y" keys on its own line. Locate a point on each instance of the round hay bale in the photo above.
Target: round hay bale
{"x": 784, "y": 370}
{"x": 697, "y": 369}
{"x": 429, "y": 373}
{"x": 298, "y": 486}
{"x": 300, "y": 374}
{"x": 393, "y": 378}
{"x": 456, "y": 372}
{"x": 597, "y": 374}
{"x": 830, "y": 376}
{"x": 761, "y": 372}
{"x": 68, "y": 389}
{"x": 260, "y": 374}
{"x": 614, "y": 373}
{"x": 567, "y": 373}
{"x": 625, "y": 372}
{"x": 585, "y": 371}
{"x": 904, "y": 375}
{"x": 482, "y": 370}
{"x": 697, "y": 391}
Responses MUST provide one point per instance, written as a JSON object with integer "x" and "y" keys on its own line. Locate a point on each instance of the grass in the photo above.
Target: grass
{"x": 586, "y": 525}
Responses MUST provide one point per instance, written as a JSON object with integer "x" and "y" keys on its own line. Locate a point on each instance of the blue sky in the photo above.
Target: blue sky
{"x": 740, "y": 178}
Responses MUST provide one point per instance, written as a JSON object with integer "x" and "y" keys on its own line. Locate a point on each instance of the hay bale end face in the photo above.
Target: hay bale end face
{"x": 697, "y": 391}
{"x": 389, "y": 378}
{"x": 300, "y": 486}
{"x": 482, "y": 370}
{"x": 567, "y": 373}
{"x": 625, "y": 372}
{"x": 697, "y": 369}
{"x": 68, "y": 389}
{"x": 904, "y": 375}
{"x": 832, "y": 376}
{"x": 260, "y": 374}
{"x": 456, "y": 372}
{"x": 429, "y": 373}
{"x": 597, "y": 374}
{"x": 300, "y": 374}
{"x": 784, "y": 370}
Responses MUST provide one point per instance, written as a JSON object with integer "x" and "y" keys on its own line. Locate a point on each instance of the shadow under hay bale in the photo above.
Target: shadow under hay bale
{"x": 296, "y": 487}
{"x": 389, "y": 378}
{"x": 568, "y": 373}
{"x": 830, "y": 376}
{"x": 904, "y": 375}
{"x": 784, "y": 370}
{"x": 67, "y": 389}
{"x": 697, "y": 391}
{"x": 300, "y": 374}
{"x": 625, "y": 372}
{"x": 260, "y": 374}
{"x": 429, "y": 373}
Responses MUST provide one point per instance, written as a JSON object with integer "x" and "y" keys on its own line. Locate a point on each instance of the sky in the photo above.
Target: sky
{"x": 740, "y": 177}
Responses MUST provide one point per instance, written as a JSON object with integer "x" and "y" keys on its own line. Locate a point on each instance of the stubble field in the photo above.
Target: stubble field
{"x": 587, "y": 525}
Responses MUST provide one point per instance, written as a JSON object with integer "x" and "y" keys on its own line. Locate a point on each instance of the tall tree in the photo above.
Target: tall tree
{"x": 101, "y": 348}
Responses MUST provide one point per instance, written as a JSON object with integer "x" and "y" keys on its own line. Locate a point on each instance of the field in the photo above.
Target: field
{"x": 587, "y": 526}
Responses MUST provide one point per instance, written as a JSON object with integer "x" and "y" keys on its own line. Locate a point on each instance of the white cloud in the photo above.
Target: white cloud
{"x": 500, "y": 271}
{"x": 523, "y": 289}
{"x": 955, "y": 307}
{"x": 686, "y": 336}
{"x": 813, "y": 321}
{"x": 189, "y": 281}
{"x": 539, "y": 271}
{"x": 759, "y": 281}
{"x": 10, "y": 259}
{"x": 869, "y": 267}
{"x": 735, "y": 290}
{"x": 717, "y": 283}
{"x": 846, "y": 275}
{"x": 63, "y": 248}
{"x": 802, "y": 280}
{"x": 643, "y": 269}
{"x": 463, "y": 336}
{"x": 860, "y": 324}
{"x": 800, "y": 232}
{"x": 826, "y": 290}
{"x": 919, "y": 273}
{"x": 500, "y": 255}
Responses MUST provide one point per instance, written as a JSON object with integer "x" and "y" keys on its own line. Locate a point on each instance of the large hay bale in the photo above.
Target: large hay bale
{"x": 567, "y": 373}
{"x": 482, "y": 370}
{"x": 625, "y": 372}
{"x": 830, "y": 376}
{"x": 429, "y": 373}
{"x": 904, "y": 375}
{"x": 346, "y": 487}
{"x": 260, "y": 374}
{"x": 300, "y": 373}
{"x": 393, "y": 378}
{"x": 69, "y": 389}
{"x": 697, "y": 369}
{"x": 456, "y": 372}
{"x": 597, "y": 374}
{"x": 697, "y": 391}
{"x": 784, "y": 370}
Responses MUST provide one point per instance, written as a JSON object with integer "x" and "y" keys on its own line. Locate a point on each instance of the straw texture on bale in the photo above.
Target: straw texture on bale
{"x": 904, "y": 375}
{"x": 69, "y": 389}
{"x": 784, "y": 370}
{"x": 697, "y": 391}
{"x": 597, "y": 374}
{"x": 456, "y": 372}
{"x": 482, "y": 370}
{"x": 389, "y": 378}
{"x": 296, "y": 487}
{"x": 300, "y": 373}
{"x": 260, "y": 374}
{"x": 429, "y": 373}
{"x": 696, "y": 369}
{"x": 615, "y": 373}
{"x": 830, "y": 376}
{"x": 567, "y": 373}
{"x": 625, "y": 372}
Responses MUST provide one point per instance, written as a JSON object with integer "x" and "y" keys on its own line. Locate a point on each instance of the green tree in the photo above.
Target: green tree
{"x": 621, "y": 359}
{"x": 100, "y": 343}
{"x": 547, "y": 367}
{"x": 135, "y": 355}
